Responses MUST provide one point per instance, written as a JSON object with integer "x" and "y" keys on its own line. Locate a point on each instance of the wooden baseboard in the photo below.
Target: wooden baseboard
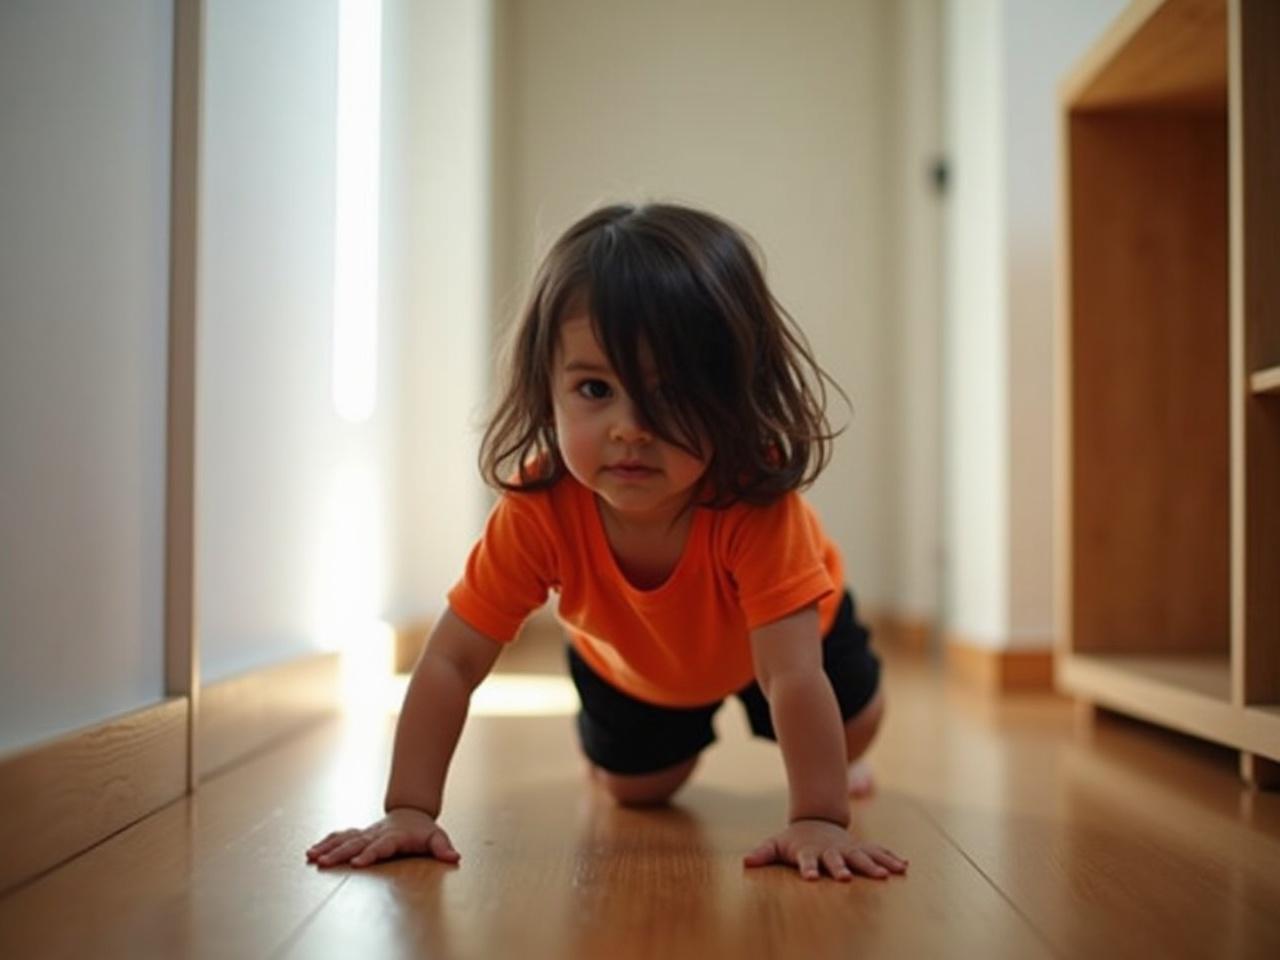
{"x": 999, "y": 671}
{"x": 240, "y": 716}
{"x": 912, "y": 635}
{"x": 62, "y": 797}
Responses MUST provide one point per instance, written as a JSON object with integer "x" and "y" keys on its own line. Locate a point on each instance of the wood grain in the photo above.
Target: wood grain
{"x": 61, "y": 797}
{"x": 1029, "y": 834}
{"x": 245, "y": 714}
{"x": 1255, "y": 160}
{"x": 1149, "y": 449}
{"x": 1166, "y": 54}
{"x": 1265, "y": 381}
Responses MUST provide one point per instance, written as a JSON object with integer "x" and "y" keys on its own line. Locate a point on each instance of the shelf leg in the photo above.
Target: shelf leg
{"x": 1259, "y": 772}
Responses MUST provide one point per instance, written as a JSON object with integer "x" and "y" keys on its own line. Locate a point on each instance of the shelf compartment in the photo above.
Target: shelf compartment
{"x": 1148, "y": 441}
{"x": 1255, "y": 214}
{"x": 1169, "y": 363}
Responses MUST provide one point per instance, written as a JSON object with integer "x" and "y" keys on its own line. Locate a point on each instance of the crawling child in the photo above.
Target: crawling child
{"x": 660, "y": 415}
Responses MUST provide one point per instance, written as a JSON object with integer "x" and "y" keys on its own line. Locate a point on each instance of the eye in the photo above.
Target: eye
{"x": 593, "y": 390}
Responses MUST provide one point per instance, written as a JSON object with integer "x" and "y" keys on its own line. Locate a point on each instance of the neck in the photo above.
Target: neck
{"x": 663, "y": 519}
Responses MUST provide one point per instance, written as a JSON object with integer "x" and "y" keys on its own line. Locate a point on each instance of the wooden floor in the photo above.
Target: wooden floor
{"x": 1033, "y": 830}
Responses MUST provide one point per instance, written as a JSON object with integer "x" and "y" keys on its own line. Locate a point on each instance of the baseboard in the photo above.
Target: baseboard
{"x": 906, "y": 633}
{"x": 243, "y": 715}
{"x": 62, "y": 797}
{"x": 999, "y": 671}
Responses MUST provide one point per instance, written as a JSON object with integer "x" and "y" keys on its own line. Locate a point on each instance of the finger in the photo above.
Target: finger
{"x": 323, "y": 842}
{"x": 330, "y": 842}
{"x": 891, "y": 860}
{"x": 763, "y": 855}
{"x": 864, "y": 864}
{"x": 380, "y": 849}
{"x": 344, "y": 851}
{"x": 441, "y": 847}
{"x": 833, "y": 860}
{"x": 807, "y": 864}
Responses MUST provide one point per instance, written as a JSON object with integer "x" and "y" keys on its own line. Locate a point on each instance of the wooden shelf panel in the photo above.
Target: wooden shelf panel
{"x": 1170, "y": 349}
{"x": 1199, "y": 676}
{"x": 1190, "y": 694}
{"x": 1170, "y": 54}
{"x": 1265, "y": 381}
{"x": 1262, "y": 727}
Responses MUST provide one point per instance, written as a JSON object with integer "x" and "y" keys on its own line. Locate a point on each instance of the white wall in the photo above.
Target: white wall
{"x": 437, "y": 204}
{"x": 292, "y": 501}
{"x": 914, "y": 308}
{"x": 773, "y": 115}
{"x": 84, "y": 266}
{"x": 300, "y": 532}
{"x": 974, "y": 434}
{"x": 1005, "y": 59}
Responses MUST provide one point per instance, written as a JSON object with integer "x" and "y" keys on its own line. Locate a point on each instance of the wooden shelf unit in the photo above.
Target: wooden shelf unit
{"x": 1168, "y": 406}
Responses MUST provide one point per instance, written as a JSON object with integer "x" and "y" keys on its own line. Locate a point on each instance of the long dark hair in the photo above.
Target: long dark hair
{"x": 733, "y": 366}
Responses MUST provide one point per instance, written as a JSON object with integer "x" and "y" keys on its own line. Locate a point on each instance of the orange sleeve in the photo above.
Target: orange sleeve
{"x": 775, "y": 556}
{"x": 510, "y": 570}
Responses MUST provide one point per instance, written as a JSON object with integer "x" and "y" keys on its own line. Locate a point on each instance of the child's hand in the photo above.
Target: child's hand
{"x": 810, "y": 845}
{"x": 403, "y": 830}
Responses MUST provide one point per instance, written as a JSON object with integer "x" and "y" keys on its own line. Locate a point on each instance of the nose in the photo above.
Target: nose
{"x": 627, "y": 427}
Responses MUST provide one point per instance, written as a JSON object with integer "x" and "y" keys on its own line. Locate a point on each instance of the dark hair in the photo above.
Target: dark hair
{"x": 732, "y": 366}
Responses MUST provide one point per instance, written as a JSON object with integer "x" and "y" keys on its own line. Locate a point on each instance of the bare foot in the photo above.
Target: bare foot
{"x": 861, "y": 783}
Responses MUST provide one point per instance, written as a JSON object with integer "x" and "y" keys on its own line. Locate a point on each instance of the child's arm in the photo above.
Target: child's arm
{"x": 788, "y": 662}
{"x": 456, "y": 659}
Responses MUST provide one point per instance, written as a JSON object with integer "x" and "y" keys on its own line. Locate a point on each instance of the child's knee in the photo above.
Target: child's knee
{"x": 646, "y": 789}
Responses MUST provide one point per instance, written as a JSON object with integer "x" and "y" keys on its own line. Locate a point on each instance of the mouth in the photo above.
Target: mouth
{"x": 631, "y": 470}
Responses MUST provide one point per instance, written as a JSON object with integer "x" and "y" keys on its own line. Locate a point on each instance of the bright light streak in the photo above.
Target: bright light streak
{"x": 524, "y": 695}
{"x": 510, "y": 695}
{"x": 368, "y": 659}
{"x": 355, "y": 271}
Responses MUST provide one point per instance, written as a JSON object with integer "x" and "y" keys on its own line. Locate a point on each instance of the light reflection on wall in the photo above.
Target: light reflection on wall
{"x": 351, "y": 563}
{"x": 355, "y": 268}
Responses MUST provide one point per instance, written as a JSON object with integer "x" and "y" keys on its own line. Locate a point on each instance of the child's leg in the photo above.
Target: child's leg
{"x": 859, "y": 731}
{"x": 639, "y": 752}
{"x": 644, "y": 789}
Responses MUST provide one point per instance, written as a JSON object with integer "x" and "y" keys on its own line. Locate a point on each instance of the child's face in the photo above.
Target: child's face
{"x": 603, "y": 442}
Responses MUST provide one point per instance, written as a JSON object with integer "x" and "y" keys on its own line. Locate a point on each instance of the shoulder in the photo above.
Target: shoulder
{"x": 544, "y": 511}
{"x": 789, "y": 514}
{"x": 777, "y": 557}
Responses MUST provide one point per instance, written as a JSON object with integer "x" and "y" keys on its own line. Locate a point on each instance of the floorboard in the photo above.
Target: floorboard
{"x": 1034, "y": 830}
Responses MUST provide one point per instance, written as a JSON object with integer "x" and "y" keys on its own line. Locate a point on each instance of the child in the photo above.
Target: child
{"x": 660, "y": 416}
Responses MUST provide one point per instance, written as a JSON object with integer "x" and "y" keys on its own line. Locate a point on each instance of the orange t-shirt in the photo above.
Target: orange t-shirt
{"x": 683, "y": 643}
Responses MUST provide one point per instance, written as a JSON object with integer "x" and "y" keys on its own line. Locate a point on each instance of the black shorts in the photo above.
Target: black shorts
{"x": 625, "y": 735}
